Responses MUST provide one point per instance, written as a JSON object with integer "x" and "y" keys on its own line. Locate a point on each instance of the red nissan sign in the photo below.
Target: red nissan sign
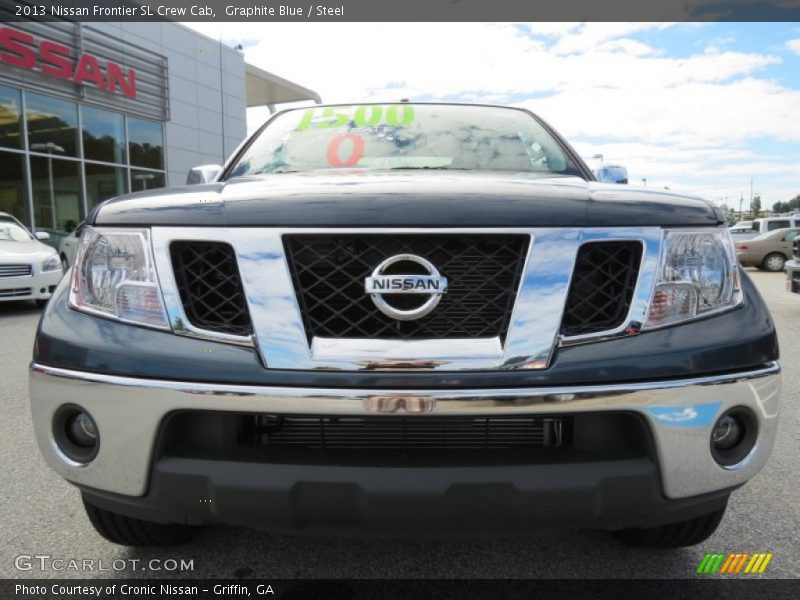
{"x": 54, "y": 59}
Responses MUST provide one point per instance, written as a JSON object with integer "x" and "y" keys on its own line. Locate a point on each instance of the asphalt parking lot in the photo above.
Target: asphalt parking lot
{"x": 42, "y": 514}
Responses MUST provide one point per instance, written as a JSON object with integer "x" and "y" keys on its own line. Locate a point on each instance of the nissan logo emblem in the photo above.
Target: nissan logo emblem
{"x": 380, "y": 285}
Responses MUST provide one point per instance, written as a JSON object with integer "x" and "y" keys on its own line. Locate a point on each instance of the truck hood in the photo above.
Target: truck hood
{"x": 407, "y": 198}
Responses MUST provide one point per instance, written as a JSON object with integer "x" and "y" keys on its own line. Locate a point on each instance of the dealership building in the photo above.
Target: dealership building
{"x": 92, "y": 111}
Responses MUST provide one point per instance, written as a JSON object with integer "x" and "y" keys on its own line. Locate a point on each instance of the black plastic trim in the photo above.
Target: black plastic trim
{"x": 331, "y": 499}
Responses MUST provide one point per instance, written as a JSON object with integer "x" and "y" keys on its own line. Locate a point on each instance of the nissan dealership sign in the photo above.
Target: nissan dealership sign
{"x": 20, "y": 49}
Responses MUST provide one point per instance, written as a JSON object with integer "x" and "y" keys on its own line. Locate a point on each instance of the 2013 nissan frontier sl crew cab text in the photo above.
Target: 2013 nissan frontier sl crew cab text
{"x": 390, "y": 319}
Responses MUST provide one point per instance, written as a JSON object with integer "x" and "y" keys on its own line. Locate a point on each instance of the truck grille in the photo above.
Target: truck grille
{"x": 15, "y": 271}
{"x": 602, "y": 286}
{"x": 483, "y": 273}
{"x": 210, "y": 286}
{"x": 409, "y": 433}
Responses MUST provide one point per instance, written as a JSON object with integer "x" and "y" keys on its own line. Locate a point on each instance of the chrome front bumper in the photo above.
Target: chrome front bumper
{"x": 680, "y": 414}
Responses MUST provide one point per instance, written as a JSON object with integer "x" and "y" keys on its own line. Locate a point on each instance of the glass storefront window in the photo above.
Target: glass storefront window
{"x": 57, "y": 203}
{"x": 146, "y": 180}
{"x": 103, "y": 135}
{"x": 146, "y": 140}
{"x": 12, "y": 186}
{"x": 10, "y": 122}
{"x": 104, "y": 182}
{"x": 52, "y": 125}
{"x": 64, "y": 166}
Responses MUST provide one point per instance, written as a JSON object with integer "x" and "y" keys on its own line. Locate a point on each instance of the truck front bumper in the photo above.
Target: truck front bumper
{"x": 679, "y": 479}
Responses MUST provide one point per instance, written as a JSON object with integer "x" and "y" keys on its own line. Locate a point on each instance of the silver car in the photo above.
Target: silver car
{"x": 768, "y": 251}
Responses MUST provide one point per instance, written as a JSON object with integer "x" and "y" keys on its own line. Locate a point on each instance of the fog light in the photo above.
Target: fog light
{"x": 728, "y": 432}
{"x": 76, "y": 433}
{"x": 81, "y": 430}
{"x": 734, "y": 436}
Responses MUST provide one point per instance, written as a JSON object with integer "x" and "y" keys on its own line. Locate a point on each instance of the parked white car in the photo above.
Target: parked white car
{"x": 742, "y": 227}
{"x": 29, "y": 269}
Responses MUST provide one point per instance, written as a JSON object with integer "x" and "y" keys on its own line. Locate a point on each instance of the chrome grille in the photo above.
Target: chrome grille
{"x": 15, "y": 271}
{"x": 483, "y": 273}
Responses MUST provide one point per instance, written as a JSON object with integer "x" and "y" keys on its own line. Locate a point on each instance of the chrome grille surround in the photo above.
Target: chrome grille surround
{"x": 533, "y": 333}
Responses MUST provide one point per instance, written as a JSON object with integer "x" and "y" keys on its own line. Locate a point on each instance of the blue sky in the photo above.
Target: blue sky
{"x": 699, "y": 108}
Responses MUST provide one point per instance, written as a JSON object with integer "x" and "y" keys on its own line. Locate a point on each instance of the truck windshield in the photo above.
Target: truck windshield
{"x": 404, "y": 136}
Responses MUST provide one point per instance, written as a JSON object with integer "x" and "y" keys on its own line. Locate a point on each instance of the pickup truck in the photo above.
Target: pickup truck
{"x": 394, "y": 319}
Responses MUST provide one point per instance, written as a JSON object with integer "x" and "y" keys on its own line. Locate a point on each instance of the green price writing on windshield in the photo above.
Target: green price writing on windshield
{"x": 370, "y": 115}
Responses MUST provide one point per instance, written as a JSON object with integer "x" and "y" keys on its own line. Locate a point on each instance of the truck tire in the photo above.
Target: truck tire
{"x": 673, "y": 535}
{"x": 128, "y": 531}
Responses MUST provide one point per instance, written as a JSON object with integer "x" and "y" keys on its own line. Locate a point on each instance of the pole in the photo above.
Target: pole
{"x": 52, "y": 187}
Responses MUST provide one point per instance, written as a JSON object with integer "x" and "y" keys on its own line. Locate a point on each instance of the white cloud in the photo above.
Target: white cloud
{"x": 590, "y": 37}
{"x": 794, "y": 45}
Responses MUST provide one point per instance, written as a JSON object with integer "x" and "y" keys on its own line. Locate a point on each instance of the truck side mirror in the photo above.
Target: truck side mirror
{"x": 42, "y": 235}
{"x": 612, "y": 174}
{"x": 203, "y": 174}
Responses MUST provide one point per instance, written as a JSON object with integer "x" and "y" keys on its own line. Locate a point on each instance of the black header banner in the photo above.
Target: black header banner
{"x": 401, "y": 10}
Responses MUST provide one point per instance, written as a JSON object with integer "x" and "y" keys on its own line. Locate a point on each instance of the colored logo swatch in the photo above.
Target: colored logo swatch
{"x": 734, "y": 563}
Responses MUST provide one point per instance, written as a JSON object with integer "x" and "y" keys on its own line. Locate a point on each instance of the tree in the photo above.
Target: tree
{"x": 755, "y": 207}
{"x": 781, "y": 207}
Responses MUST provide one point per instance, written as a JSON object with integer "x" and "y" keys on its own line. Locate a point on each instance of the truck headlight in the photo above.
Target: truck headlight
{"x": 51, "y": 263}
{"x": 114, "y": 277}
{"x": 698, "y": 275}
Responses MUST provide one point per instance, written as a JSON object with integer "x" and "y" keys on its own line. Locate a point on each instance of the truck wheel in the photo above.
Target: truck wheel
{"x": 774, "y": 262}
{"x": 673, "y": 535}
{"x": 128, "y": 531}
